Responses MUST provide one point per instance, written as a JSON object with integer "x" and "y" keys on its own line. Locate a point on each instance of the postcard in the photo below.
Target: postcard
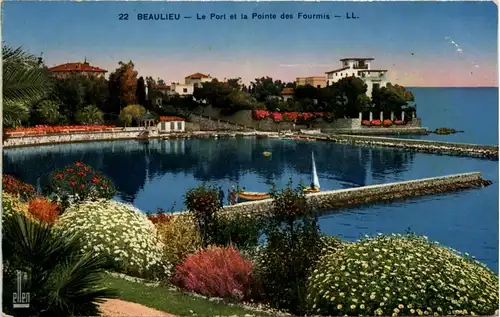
{"x": 250, "y": 158}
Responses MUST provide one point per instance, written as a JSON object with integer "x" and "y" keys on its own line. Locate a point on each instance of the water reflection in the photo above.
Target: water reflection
{"x": 132, "y": 165}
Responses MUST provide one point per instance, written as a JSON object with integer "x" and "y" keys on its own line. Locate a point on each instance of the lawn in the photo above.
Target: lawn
{"x": 172, "y": 301}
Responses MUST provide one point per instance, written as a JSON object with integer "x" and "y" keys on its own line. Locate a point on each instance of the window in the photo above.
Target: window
{"x": 376, "y": 86}
{"x": 163, "y": 126}
{"x": 184, "y": 90}
{"x": 179, "y": 125}
{"x": 172, "y": 126}
{"x": 319, "y": 86}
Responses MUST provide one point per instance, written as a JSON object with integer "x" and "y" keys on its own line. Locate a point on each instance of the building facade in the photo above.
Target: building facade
{"x": 197, "y": 79}
{"x": 315, "y": 81}
{"x": 359, "y": 67}
{"x": 287, "y": 93}
{"x": 66, "y": 70}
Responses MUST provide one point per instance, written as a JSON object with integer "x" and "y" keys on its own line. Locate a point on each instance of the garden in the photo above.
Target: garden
{"x": 78, "y": 247}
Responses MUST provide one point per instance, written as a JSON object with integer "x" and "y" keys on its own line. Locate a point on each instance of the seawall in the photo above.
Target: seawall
{"x": 428, "y": 146}
{"x": 338, "y": 199}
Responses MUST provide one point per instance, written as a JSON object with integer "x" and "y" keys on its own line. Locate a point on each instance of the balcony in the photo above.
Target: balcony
{"x": 376, "y": 76}
{"x": 360, "y": 67}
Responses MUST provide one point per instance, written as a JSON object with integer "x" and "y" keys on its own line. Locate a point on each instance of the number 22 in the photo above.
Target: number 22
{"x": 123, "y": 16}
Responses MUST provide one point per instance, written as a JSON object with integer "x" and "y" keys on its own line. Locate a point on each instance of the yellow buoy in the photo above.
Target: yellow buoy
{"x": 267, "y": 154}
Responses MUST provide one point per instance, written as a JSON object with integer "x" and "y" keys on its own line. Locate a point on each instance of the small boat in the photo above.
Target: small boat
{"x": 314, "y": 179}
{"x": 250, "y": 196}
{"x": 267, "y": 154}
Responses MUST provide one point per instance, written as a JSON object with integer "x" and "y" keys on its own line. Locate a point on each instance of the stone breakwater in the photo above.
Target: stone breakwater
{"x": 442, "y": 148}
{"x": 338, "y": 199}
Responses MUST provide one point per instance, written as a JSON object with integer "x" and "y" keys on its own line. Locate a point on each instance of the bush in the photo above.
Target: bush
{"x": 241, "y": 231}
{"x": 293, "y": 246}
{"x": 203, "y": 203}
{"x": 180, "y": 237}
{"x": 44, "y": 210}
{"x": 12, "y": 204}
{"x": 215, "y": 272}
{"x": 60, "y": 280}
{"x": 401, "y": 275}
{"x": 78, "y": 182}
{"x": 121, "y": 232}
{"x": 12, "y": 185}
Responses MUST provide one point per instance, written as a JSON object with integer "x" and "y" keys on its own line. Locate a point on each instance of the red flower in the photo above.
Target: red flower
{"x": 69, "y": 170}
{"x": 105, "y": 185}
{"x": 86, "y": 169}
{"x": 82, "y": 185}
{"x": 95, "y": 180}
{"x": 82, "y": 174}
{"x": 79, "y": 164}
{"x": 72, "y": 183}
{"x": 59, "y": 175}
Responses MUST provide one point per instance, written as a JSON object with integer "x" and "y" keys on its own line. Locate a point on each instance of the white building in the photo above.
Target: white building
{"x": 181, "y": 89}
{"x": 359, "y": 67}
{"x": 197, "y": 79}
{"x": 171, "y": 124}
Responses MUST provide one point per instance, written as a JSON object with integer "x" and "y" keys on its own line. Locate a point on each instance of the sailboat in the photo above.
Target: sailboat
{"x": 314, "y": 188}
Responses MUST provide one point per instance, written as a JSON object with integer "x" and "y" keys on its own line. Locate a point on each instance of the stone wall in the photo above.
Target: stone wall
{"x": 72, "y": 137}
{"x": 200, "y": 123}
{"x": 368, "y": 194}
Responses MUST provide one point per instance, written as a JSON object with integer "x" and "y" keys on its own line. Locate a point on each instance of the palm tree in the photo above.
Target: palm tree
{"x": 24, "y": 82}
{"x": 61, "y": 280}
{"x": 90, "y": 115}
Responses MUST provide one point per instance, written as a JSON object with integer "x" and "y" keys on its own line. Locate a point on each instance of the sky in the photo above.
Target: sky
{"x": 430, "y": 44}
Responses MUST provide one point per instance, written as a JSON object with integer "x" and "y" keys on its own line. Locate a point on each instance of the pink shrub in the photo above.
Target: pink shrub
{"x": 215, "y": 272}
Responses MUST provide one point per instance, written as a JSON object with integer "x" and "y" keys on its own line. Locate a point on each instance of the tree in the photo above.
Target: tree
{"x": 293, "y": 247}
{"x": 234, "y": 83}
{"x": 89, "y": 115}
{"x": 24, "y": 82}
{"x": 46, "y": 112}
{"x": 131, "y": 113}
{"x": 141, "y": 92}
{"x": 122, "y": 87}
{"x": 351, "y": 87}
{"x": 264, "y": 87}
{"x": 391, "y": 98}
{"x": 60, "y": 278}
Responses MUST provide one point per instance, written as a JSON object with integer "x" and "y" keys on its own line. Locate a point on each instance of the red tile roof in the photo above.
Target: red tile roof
{"x": 372, "y": 70}
{"x": 357, "y": 59}
{"x": 287, "y": 92}
{"x": 337, "y": 70}
{"x": 197, "y": 76}
{"x": 77, "y": 67}
{"x": 169, "y": 118}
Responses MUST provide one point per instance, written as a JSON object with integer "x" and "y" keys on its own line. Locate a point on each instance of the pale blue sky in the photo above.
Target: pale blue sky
{"x": 388, "y": 31}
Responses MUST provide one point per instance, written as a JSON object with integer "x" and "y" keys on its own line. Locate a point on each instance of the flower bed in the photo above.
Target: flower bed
{"x": 399, "y": 122}
{"x": 396, "y": 275}
{"x": 16, "y": 187}
{"x": 277, "y": 116}
{"x": 261, "y": 114}
{"x": 376, "y": 123}
{"x": 387, "y": 123}
{"x": 288, "y": 116}
{"x": 45, "y": 129}
{"x": 366, "y": 123}
{"x": 121, "y": 232}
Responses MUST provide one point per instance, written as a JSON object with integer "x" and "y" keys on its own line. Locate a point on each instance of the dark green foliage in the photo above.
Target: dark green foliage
{"x": 60, "y": 279}
{"x": 203, "y": 202}
{"x": 141, "y": 92}
{"x": 239, "y": 230}
{"x": 293, "y": 247}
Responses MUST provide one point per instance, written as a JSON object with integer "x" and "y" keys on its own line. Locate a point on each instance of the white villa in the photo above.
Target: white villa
{"x": 359, "y": 67}
{"x": 181, "y": 89}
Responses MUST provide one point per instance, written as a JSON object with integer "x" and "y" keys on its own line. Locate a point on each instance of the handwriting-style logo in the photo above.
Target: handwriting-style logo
{"x": 21, "y": 299}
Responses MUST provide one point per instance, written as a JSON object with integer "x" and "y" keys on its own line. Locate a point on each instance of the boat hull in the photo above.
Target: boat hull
{"x": 309, "y": 190}
{"x": 251, "y": 196}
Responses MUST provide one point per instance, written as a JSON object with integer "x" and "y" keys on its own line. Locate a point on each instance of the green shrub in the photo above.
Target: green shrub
{"x": 203, "y": 204}
{"x": 49, "y": 264}
{"x": 78, "y": 182}
{"x": 12, "y": 204}
{"x": 179, "y": 236}
{"x": 241, "y": 231}
{"x": 293, "y": 246}
{"x": 122, "y": 233}
{"x": 401, "y": 275}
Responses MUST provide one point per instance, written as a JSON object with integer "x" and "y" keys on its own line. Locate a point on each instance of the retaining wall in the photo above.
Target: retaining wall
{"x": 445, "y": 148}
{"x": 335, "y": 199}
{"x": 71, "y": 137}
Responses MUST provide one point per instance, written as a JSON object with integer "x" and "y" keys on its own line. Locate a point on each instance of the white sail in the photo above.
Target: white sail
{"x": 314, "y": 175}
